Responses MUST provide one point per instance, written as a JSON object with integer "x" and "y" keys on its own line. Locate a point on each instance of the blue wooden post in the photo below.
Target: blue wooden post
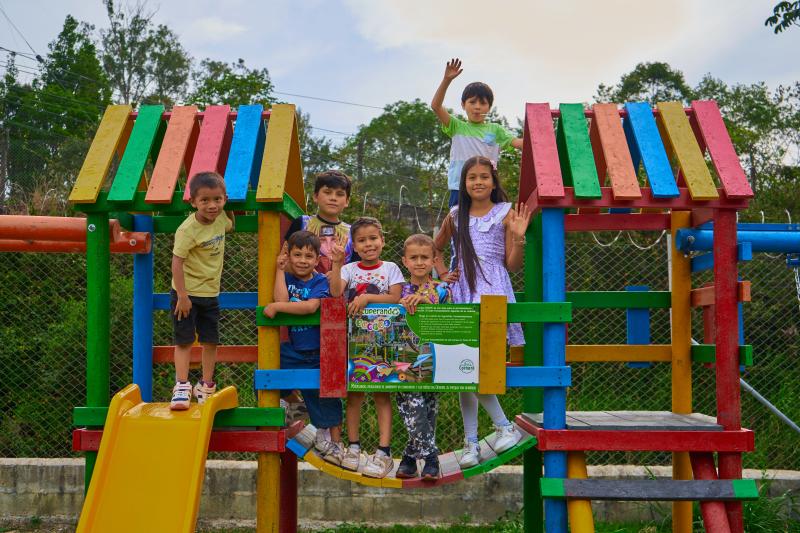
{"x": 143, "y": 312}
{"x": 554, "y": 347}
{"x": 638, "y": 325}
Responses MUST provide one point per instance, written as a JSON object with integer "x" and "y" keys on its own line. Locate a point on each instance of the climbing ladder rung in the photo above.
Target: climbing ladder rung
{"x": 650, "y": 490}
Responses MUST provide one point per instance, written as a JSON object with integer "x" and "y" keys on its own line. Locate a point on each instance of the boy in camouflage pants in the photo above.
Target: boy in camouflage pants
{"x": 418, "y": 409}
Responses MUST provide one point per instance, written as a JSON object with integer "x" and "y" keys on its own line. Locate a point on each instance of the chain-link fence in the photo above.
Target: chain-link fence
{"x": 42, "y": 346}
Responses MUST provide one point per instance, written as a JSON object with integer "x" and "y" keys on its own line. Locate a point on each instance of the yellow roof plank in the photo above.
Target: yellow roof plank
{"x": 107, "y": 141}
{"x": 679, "y": 135}
{"x": 281, "y": 169}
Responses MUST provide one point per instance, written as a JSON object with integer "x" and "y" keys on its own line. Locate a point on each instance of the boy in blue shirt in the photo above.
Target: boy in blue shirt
{"x": 474, "y": 136}
{"x": 298, "y": 292}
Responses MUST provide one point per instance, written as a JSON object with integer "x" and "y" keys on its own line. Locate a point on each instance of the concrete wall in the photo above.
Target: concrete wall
{"x": 52, "y": 490}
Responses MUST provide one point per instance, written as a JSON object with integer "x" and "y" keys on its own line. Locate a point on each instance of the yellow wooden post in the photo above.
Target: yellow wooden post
{"x": 492, "y": 365}
{"x": 681, "y": 361}
{"x": 268, "y": 477}
{"x": 580, "y": 511}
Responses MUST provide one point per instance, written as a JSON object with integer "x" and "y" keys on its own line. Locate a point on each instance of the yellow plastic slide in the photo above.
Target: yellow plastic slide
{"x": 150, "y": 466}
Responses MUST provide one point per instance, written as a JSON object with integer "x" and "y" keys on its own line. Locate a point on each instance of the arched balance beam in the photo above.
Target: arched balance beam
{"x": 450, "y": 471}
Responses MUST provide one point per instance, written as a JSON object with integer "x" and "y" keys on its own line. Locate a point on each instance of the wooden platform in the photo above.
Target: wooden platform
{"x": 650, "y": 490}
{"x": 637, "y": 431}
{"x": 638, "y": 420}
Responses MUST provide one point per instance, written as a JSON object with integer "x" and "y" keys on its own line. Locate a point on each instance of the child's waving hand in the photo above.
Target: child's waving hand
{"x": 337, "y": 250}
{"x": 453, "y": 69}
{"x": 518, "y": 219}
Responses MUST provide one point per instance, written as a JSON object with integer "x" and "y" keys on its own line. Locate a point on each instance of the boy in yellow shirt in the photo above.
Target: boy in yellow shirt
{"x": 196, "y": 272}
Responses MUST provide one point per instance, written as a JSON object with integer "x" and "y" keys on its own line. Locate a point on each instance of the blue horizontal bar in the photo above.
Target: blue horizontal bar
{"x": 756, "y": 226}
{"x": 516, "y": 376}
{"x": 227, "y": 300}
{"x": 702, "y": 240}
{"x": 298, "y": 449}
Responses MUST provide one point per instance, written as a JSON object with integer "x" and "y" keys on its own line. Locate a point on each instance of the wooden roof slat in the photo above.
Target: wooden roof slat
{"x": 714, "y": 135}
{"x": 176, "y": 150}
{"x": 247, "y": 148}
{"x": 140, "y": 145}
{"x": 613, "y": 154}
{"x": 647, "y": 147}
{"x": 540, "y": 154}
{"x": 281, "y": 169}
{"x": 213, "y": 142}
{"x": 575, "y": 152}
{"x": 682, "y": 143}
{"x": 105, "y": 144}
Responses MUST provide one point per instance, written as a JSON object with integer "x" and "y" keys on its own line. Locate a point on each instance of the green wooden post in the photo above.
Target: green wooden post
{"x": 532, "y": 397}
{"x": 98, "y": 279}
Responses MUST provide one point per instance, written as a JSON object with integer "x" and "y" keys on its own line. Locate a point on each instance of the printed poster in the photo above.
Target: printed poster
{"x": 435, "y": 349}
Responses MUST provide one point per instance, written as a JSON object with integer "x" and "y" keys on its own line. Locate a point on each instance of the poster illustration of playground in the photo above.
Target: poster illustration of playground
{"x": 435, "y": 349}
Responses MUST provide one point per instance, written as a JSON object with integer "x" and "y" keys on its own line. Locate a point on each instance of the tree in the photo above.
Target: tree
{"x": 784, "y": 16}
{"x": 217, "y": 82}
{"x": 143, "y": 62}
{"x": 647, "y": 82}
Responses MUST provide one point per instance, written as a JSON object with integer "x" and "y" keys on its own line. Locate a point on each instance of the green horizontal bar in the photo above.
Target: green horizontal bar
{"x": 125, "y": 220}
{"x": 539, "y": 312}
{"x": 285, "y": 319}
{"x": 177, "y": 205}
{"x": 745, "y": 489}
{"x": 707, "y": 353}
{"x": 552, "y": 487}
{"x": 620, "y": 299}
{"x": 239, "y": 416}
{"x": 170, "y": 223}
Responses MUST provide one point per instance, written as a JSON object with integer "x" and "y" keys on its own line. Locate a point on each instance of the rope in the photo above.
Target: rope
{"x": 643, "y": 248}
{"x": 605, "y": 245}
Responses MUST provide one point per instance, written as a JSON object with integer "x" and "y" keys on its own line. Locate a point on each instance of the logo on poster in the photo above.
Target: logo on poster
{"x": 466, "y": 366}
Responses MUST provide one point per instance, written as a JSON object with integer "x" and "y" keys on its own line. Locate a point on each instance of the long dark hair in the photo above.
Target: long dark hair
{"x": 464, "y": 248}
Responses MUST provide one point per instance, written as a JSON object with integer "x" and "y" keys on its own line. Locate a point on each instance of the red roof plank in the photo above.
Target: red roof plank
{"x": 540, "y": 166}
{"x": 211, "y": 153}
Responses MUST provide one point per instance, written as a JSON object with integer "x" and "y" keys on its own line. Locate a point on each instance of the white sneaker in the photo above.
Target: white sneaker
{"x": 471, "y": 455}
{"x": 351, "y": 458}
{"x": 332, "y": 452}
{"x": 378, "y": 465}
{"x": 203, "y": 391}
{"x": 181, "y": 396}
{"x": 506, "y": 437}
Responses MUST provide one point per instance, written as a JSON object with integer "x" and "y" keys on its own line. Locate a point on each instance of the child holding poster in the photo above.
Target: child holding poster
{"x": 489, "y": 237}
{"x": 418, "y": 409}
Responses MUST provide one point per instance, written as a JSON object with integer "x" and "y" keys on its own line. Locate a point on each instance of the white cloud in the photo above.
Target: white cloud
{"x": 213, "y": 29}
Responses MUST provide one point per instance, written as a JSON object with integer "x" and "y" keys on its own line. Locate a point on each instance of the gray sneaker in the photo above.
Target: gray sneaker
{"x": 378, "y": 465}
{"x": 332, "y": 452}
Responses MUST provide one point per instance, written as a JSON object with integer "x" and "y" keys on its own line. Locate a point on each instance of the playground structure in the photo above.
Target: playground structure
{"x": 563, "y": 177}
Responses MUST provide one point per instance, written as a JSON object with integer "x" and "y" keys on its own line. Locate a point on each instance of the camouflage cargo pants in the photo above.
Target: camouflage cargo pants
{"x": 418, "y": 411}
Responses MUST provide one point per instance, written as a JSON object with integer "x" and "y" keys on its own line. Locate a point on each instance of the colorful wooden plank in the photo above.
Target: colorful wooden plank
{"x": 637, "y": 326}
{"x": 612, "y": 156}
{"x": 646, "y": 143}
{"x": 603, "y": 353}
{"x": 649, "y": 489}
{"x": 637, "y": 420}
{"x": 105, "y": 144}
{"x": 247, "y": 148}
{"x": 707, "y": 353}
{"x": 492, "y": 365}
{"x": 679, "y": 137}
{"x": 333, "y": 348}
{"x": 581, "y": 519}
{"x": 606, "y": 222}
{"x": 540, "y": 171}
{"x": 619, "y": 299}
{"x": 575, "y": 152}
{"x": 285, "y": 319}
{"x": 281, "y": 169}
{"x": 683, "y": 202}
{"x": 715, "y": 518}
{"x": 527, "y": 312}
{"x": 140, "y": 146}
{"x": 225, "y": 354}
{"x": 239, "y": 416}
{"x": 176, "y": 150}
{"x": 213, "y": 142}
{"x": 715, "y": 136}
{"x": 227, "y": 300}
{"x": 704, "y": 296}
{"x": 86, "y": 440}
{"x": 538, "y": 376}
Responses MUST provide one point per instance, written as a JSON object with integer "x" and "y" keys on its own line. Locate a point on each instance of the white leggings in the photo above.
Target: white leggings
{"x": 469, "y": 412}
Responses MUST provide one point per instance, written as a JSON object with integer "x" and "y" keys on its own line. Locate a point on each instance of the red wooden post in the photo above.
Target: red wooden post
{"x": 288, "y": 494}
{"x": 333, "y": 349}
{"x": 727, "y": 341}
{"x": 714, "y": 516}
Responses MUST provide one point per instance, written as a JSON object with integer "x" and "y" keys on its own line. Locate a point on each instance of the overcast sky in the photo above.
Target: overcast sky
{"x": 376, "y": 52}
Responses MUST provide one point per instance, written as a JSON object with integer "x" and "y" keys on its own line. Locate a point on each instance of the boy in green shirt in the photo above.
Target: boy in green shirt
{"x": 474, "y": 136}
